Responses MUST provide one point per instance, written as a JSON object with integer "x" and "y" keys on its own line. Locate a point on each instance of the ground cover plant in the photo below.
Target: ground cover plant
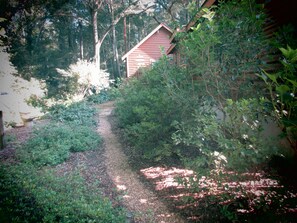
{"x": 104, "y": 95}
{"x": 30, "y": 195}
{"x": 53, "y": 144}
{"x": 209, "y": 114}
{"x": 31, "y": 188}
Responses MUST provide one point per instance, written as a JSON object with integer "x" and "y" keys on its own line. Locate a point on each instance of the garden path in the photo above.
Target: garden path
{"x": 138, "y": 199}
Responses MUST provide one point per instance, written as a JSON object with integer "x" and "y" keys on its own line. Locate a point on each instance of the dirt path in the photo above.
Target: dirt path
{"x": 140, "y": 201}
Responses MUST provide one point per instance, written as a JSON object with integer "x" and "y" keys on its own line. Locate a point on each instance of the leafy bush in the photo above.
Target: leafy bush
{"x": 209, "y": 112}
{"x": 224, "y": 49}
{"x": 77, "y": 113}
{"x": 31, "y": 195}
{"x": 89, "y": 79}
{"x": 282, "y": 87}
{"x": 104, "y": 96}
{"x": 52, "y": 144}
{"x": 148, "y": 107}
{"x": 236, "y": 143}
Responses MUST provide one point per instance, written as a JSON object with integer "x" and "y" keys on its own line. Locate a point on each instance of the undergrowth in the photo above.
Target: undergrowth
{"x": 211, "y": 111}
{"x": 28, "y": 194}
{"x": 31, "y": 190}
{"x": 104, "y": 95}
{"x": 53, "y": 144}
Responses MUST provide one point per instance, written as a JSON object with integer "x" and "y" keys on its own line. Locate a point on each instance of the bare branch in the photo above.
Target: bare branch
{"x": 127, "y": 11}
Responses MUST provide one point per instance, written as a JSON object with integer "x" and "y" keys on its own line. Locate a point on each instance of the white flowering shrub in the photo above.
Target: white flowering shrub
{"x": 89, "y": 79}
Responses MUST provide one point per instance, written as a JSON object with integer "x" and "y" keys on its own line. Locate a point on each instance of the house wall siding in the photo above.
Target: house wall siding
{"x": 148, "y": 52}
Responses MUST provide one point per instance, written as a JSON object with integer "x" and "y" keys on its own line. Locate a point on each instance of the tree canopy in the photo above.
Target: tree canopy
{"x": 44, "y": 35}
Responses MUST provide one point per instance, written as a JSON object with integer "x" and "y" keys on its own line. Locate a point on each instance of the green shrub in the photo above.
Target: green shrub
{"x": 31, "y": 195}
{"x": 80, "y": 113}
{"x": 218, "y": 54}
{"x": 235, "y": 142}
{"x": 52, "y": 144}
{"x": 282, "y": 87}
{"x": 148, "y": 107}
{"x": 104, "y": 96}
{"x": 208, "y": 113}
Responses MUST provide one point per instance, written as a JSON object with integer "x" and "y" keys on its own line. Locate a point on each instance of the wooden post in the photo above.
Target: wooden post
{"x": 1, "y": 131}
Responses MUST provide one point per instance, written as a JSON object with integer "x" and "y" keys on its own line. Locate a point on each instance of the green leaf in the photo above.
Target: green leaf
{"x": 229, "y": 102}
{"x": 285, "y": 52}
{"x": 272, "y": 77}
{"x": 292, "y": 82}
{"x": 290, "y": 54}
{"x": 282, "y": 89}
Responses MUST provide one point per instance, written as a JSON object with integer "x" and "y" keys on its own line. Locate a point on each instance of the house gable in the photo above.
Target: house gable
{"x": 148, "y": 50}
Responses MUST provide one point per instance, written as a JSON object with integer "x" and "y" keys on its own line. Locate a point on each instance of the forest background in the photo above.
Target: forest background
{"x": 62, "y": 43}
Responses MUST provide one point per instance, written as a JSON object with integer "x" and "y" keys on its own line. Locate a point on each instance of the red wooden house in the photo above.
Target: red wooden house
{"x": 148, "y": 50}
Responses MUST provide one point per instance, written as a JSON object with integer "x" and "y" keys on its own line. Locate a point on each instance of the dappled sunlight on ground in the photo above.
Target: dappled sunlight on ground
{"x": 184, "y": 192}
{"x": 166, "y": 177}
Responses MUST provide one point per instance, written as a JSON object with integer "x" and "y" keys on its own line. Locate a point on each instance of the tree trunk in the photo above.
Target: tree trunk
{"x": 97, "y": 43}
{"x": 116, "y": 64}
{"x": 116, "y": 55}
{"x": 1, "y": 131}
{"x": 97, "y": 54}
{"x": 128, "y": 36}
{"x": 81, "y": 42}
{"x": 125, "y": 34}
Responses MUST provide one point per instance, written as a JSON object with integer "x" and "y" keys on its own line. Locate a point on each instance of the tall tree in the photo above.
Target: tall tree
{"x": 44, "y": 35}
{"x": 40, "y": 35}
{"x": 116, "y": 64}
{"x": 123, "y": 10}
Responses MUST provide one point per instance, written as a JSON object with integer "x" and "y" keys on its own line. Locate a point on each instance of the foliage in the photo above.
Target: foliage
{"x": 80, "y": 113}
{"x": 236, "y": 143}
{"x": 209, "y": 112}
{"x": 149, "y": 105}
{"x": 45, "y": 37}
{"x": 285, "y": 36}
{"x": 89, "y": 79}
{"x": 174, "y": 112}
{"x": 37, "y": 43}
{"x": 53, "y": 143}
{"x": 104, "y": 95}
{"x": 282, "y": 87}
{"x": 31, "y": 191}
{"x": 223, "y": 50}
{"x": 173, "y": 12}
{"x": 221, "y": 57}
{"x": 31, "y": 195}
